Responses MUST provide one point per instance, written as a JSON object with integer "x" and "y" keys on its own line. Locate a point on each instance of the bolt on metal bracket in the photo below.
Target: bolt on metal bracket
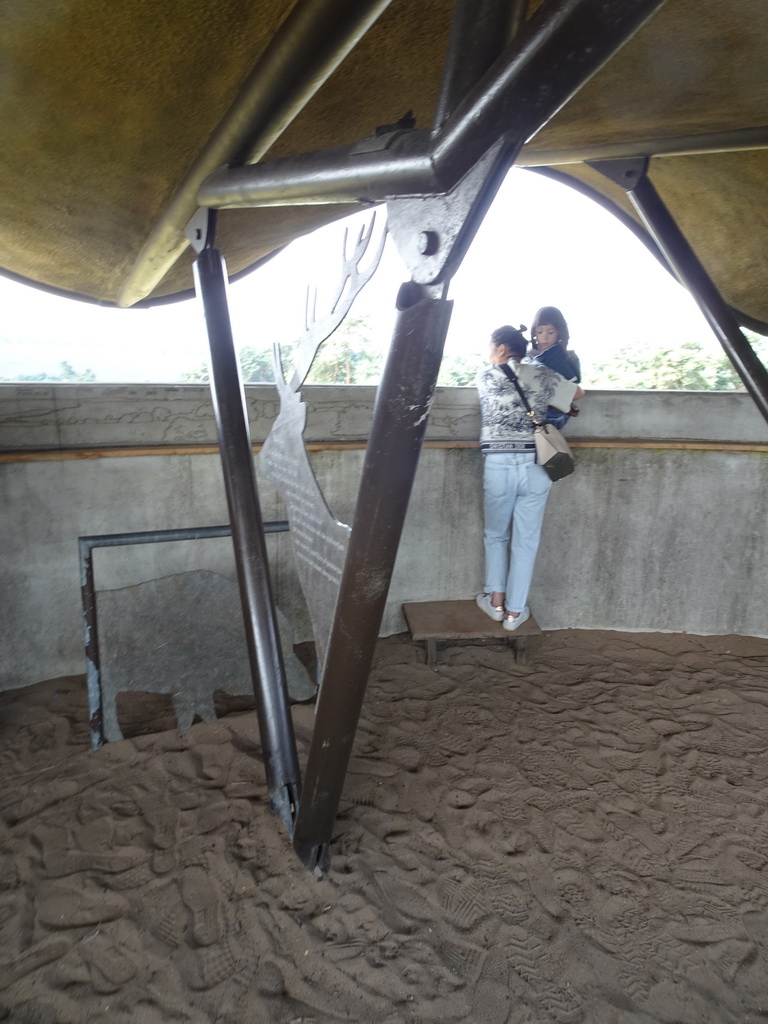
{"x": 433, "y": 233}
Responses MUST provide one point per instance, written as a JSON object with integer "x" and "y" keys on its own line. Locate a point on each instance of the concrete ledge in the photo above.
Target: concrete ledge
{"x": 72, "y": 416}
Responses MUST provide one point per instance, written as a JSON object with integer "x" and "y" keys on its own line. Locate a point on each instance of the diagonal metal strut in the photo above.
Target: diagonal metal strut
{"x": 309, "y": 45}
{"x": 632, "y": 175}
{"x": 260, "y": 620}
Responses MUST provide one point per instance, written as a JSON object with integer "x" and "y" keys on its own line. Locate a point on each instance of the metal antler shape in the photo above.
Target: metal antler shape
{"x": 316, "y": 331}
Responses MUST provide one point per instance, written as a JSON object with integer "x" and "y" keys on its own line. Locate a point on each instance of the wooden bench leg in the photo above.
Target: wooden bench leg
{"x": 432, "y": 653}
{"x": 520, "y": 644}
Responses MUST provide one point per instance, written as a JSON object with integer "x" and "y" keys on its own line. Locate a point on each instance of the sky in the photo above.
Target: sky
{"x": 541, "y": 243}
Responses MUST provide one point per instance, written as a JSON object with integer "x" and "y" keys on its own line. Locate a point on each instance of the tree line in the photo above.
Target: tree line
{"x": 66, "y": 374}
{"x": 347, "y": 357}
{"x": 350, "y": 357}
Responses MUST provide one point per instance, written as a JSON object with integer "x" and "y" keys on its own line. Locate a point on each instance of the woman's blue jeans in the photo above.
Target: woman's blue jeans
{"x": 516, "y": 491}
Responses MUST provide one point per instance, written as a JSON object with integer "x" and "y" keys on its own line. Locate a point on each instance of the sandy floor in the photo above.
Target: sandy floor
{"x": 581, "y": 838}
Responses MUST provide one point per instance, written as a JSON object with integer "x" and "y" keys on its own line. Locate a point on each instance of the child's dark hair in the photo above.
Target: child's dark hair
{"x": 551, "y": 315}
{"x": 512, "y": 337}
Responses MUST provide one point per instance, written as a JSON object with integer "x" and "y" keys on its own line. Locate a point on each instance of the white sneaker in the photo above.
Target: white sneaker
{"x": 484, "y": 601}
{"x": 512, "y": 624}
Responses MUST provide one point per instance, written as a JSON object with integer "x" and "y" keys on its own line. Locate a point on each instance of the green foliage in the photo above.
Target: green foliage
{"x": 344, "y": 358}
{"x": 347, "y": 356}
{"x": 685, "y": 367}
{"x": 199, "y": 375}
{"x": 66, "y": 374}
{"x": 459, "y": 371}
{"x": 255, "y": 367}
{"x": 759, "y": 344}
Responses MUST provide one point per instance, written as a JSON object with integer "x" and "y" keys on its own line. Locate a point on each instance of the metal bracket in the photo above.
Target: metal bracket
{"x": 433, "y": 233}
{"x": 625, "y": 173}
{"x": 201, "y": 229}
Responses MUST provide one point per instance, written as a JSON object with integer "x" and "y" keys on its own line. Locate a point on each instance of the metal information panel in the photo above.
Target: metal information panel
{"x": 319, "y": 540}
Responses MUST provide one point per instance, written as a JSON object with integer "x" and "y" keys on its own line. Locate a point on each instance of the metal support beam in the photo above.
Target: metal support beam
{"x": 310, "y": 44}
{"x": 432, "y": 236}
{"x": 261, "y": 630}
{"x": 736, "y": 141}
{"x": 480, "y": 31}
{"x": 685, "y": 264}
{"x": 91, "y": 643}
{"x": 557, "y": 51}
{"x": 397, "y": 431}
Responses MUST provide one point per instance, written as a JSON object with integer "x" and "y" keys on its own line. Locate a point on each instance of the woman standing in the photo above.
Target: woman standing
{"x": 515, "y": 487}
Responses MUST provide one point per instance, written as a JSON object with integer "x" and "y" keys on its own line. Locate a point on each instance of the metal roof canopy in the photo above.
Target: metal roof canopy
{"x": 115, "y": 114}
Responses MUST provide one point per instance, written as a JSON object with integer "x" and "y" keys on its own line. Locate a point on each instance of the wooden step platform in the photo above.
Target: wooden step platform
{"x": 433, "y": 621}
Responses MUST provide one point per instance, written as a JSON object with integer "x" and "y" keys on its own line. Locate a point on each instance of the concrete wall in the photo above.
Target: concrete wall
{"x": 663, "y": 526}
{"x": 70, "y": 416}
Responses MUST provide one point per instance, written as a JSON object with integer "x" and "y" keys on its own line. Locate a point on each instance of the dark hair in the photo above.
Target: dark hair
{"x": 551, "y": 315}
{"x": 512, "y": 337}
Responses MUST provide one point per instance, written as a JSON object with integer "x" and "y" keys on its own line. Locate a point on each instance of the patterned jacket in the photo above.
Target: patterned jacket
{"x": 506, "y": 426}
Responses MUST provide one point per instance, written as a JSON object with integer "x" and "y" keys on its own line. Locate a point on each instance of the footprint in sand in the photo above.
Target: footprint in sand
{"x": 463, "y": 901}
{"x": 215, "y": 761}
{"x": 30, "y": 960}
{"x": 269, "y": 979}
{"x": 214, "y": 965}
{"x": 164, "y": 821}
{"x": 96, "y": 835}
{"x": 164, "y": 861}
{"x": 167, "y": 918}
{"x": 133, "y": 878}
{"x": 492, "y": 998}
{"x": 40, "y": 797}
{"x": 406, "y": 757}
{"x": 60, "y": 863}
{"x": 111, "y": 964}
{"x": 200, "y": 898}
{"x": 65, "y": 907}
{"x": 460, "y": 799}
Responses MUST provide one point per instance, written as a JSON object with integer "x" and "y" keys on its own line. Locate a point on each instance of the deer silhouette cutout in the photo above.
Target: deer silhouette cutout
{"x": 319, "y": 540}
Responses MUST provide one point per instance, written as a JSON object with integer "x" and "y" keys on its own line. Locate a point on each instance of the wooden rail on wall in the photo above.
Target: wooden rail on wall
{"x": 73, "y": 454}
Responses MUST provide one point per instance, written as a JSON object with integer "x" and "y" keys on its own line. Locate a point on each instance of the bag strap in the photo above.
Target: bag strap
{"x": 508, "y": 372}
